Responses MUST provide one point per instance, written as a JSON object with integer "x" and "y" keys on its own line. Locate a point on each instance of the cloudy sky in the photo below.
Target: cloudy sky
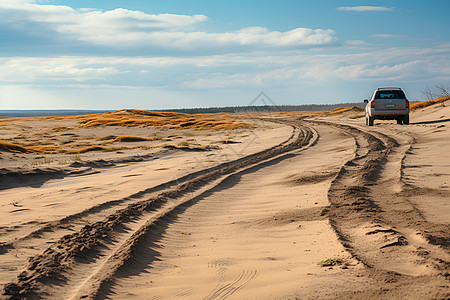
{"x": 151, "y": 54}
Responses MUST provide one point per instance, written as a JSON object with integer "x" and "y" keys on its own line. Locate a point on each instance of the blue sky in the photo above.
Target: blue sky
{"x": 171, "y": 53}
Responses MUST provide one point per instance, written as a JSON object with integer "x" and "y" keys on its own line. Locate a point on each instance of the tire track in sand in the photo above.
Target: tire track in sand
{"x": 377, "y": 223}
{"x": 224, "y": 290}
{"x": 203, "y": 249}
{"x": 109, "y": 243}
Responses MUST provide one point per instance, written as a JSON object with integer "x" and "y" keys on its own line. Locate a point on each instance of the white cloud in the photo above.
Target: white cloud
{"x": 126, "y": 29}
{"x": 232, "y": 70}
{"x": 63, "y": 18}
{"x": 397, "y": 64}
{"x": 387, "y": 72}
{"x": 231, "y": 79}
{"x": 365, "y": 8}
{"x": 35, "y": 69}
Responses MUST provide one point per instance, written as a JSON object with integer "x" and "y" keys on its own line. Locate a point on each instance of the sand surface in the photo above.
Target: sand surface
{"x": 237, "y": 213}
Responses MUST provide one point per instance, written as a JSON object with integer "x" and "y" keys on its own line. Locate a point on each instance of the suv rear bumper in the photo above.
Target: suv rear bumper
{"x": 388, "y": 114}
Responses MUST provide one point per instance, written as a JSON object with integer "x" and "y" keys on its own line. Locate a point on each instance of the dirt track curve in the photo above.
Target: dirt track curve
{"x": 189, "y": 233}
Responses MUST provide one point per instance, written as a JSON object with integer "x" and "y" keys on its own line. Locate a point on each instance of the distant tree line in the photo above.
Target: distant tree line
{"x": 263, "y": 108}
{"x": 198, "y": 110}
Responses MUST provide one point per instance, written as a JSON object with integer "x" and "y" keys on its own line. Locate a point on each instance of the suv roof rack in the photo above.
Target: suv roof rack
{"x": 389, "y": 88}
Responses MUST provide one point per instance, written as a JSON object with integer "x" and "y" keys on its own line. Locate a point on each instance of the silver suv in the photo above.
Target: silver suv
{"x": 387, "y": 104}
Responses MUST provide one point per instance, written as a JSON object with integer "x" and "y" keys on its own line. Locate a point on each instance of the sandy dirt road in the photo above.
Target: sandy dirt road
{"x": 255, "y": 227}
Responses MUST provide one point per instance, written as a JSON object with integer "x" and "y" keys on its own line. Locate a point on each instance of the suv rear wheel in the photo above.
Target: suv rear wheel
{"x": 369, "y": 120}
{"x": 406, "y": 120}
{"x": 403, "y": 120}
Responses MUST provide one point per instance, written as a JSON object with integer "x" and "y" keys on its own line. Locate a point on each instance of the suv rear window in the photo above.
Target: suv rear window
{"x": 390, "y": 95}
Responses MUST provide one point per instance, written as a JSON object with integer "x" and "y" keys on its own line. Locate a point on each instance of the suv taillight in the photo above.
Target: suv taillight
{"x": 372, "y": 103}
{"x": 407, "y": 103}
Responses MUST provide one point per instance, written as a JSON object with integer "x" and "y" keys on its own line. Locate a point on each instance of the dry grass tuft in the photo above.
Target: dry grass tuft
{"x": 14, "y": 148}
{"x": 67, "y": 142}
{"x": 341, "y": 110}
{"x": 186, "y": 146}
{"x": 61, "y": 128}
{"x": 97, "y": 148}
{"x": 129, "y": 118}
{"x": 175, "y": 137}
{"x": 228, "y": 142}
{"x": 143, "y": 118}
{"x": 135, "y": 139}
{"x": 19, "y": 137}
{"x": 423, "y": 104}
{"x": 43, "y": 149}
{"x": 86, "y": 149}
{"x": 106, "y": 138}
{"x": 69, "y": 134}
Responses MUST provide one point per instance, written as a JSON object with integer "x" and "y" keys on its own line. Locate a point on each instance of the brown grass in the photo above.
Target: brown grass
{"x": 61, "y": 128}
{"x": 43, "y": 149}
{"x": 186, "y": 146}
{"x": 174, "y": 137}
{"x": 106, "y": 138}
{"x": 135, "y": 139}
{"x": 130, "y": 118}
{"x": 69, "y": 134}
{"x": 19, "y": 137}
{"x": 423, "y": 104}
{"x": 67, "y": 142}
{"x": 14, "y": 148}
{"x": 143, "y": 118}
{"x": 228, "y": 142}
{"x": 86, "y": 149}
{"x": 344, "y": 109}
{"x": 97, "y": 148}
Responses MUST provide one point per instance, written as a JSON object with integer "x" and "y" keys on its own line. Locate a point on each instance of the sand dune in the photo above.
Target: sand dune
{"x": 254, "y": 206}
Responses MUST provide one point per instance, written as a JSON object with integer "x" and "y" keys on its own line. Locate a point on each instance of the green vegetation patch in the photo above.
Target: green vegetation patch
{"x": 330, "y": 262}
{"x": 183, "y": 144}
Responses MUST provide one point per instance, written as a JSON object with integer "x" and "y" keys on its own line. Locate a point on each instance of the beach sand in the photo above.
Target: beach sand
{"x": 225, "y": 206}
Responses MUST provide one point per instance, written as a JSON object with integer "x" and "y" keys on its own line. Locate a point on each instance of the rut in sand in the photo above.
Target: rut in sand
{"x": 97, "y": 242}
{"x": 253, "y": 227}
